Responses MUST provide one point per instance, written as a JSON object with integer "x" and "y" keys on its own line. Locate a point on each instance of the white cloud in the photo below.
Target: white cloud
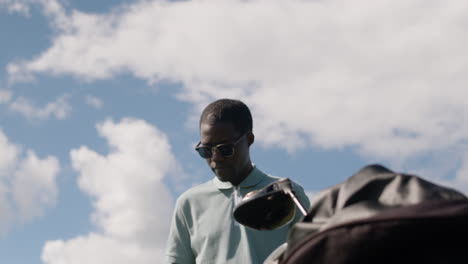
{"x": 132, "y": 205}
{"x": 5, "y": 209}
{"x": 96, "y": 248}
{"x": 27, "y": 184}
{"x": 5, "y": 96}
{"x": 16, "y": 6}
{"x": 460, "y": 181}
{"x": 310, "y": 194}
{"x": 60, "y": 108}
{"x": 8, "y": 155}
{"x": 51, "y": 8}
{"x": 34, "y": 186}
{"x": 387, "y": 78}
{"x": 94, "y": 101}
{"x": 462, "y": 175}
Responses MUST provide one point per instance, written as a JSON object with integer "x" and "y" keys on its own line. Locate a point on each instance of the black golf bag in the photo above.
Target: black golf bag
{"x": 378, "y": 216}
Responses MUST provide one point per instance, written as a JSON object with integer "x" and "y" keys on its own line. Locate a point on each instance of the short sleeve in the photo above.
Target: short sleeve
{"x": 179, "y": 249}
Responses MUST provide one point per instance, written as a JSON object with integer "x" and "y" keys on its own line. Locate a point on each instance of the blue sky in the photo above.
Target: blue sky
{"x": 99, "y": 103}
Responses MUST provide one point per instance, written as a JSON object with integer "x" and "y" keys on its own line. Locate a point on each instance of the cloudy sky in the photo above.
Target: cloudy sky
{"x": 99, "y": 103}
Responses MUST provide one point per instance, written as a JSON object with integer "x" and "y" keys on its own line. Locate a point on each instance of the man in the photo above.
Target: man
{"x": 203, "y": 228}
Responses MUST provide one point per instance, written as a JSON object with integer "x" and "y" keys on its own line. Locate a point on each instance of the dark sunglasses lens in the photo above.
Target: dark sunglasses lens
{"x": 205, "y": 152}
{"x": 226, "y": 150}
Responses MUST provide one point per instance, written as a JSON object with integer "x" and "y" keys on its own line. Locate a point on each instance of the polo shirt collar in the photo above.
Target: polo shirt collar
{"x": 254, "y": 177}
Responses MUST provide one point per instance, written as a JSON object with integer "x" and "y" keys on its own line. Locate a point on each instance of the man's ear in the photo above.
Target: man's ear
{"x": 250, "y": 138}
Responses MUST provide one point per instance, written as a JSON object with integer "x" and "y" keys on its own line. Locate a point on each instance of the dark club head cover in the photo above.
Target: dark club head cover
{"x": 268, "y": 208}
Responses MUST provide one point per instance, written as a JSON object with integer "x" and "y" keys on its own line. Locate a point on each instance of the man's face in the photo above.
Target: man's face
{"x": 232, "y": 169}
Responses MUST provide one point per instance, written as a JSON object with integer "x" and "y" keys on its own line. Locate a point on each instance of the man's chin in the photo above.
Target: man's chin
{"x": 222, "y": 175}
{"x": 223, "y": 178}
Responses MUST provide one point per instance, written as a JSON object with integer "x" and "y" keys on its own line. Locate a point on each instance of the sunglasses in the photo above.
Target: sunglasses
{"x": 226, "y": 150}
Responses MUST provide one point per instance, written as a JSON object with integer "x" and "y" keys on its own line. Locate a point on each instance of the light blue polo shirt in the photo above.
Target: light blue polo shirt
{"x": 204, "y": 230}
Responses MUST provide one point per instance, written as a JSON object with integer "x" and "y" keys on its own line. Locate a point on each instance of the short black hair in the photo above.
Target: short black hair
{"x": 228, "y": 111}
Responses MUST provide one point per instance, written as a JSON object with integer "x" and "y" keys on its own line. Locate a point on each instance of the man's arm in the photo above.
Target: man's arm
{"x": 179, "y": 250}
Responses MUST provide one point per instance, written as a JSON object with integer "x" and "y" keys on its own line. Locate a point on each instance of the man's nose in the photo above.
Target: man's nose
{"x": 216, "y": 155}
